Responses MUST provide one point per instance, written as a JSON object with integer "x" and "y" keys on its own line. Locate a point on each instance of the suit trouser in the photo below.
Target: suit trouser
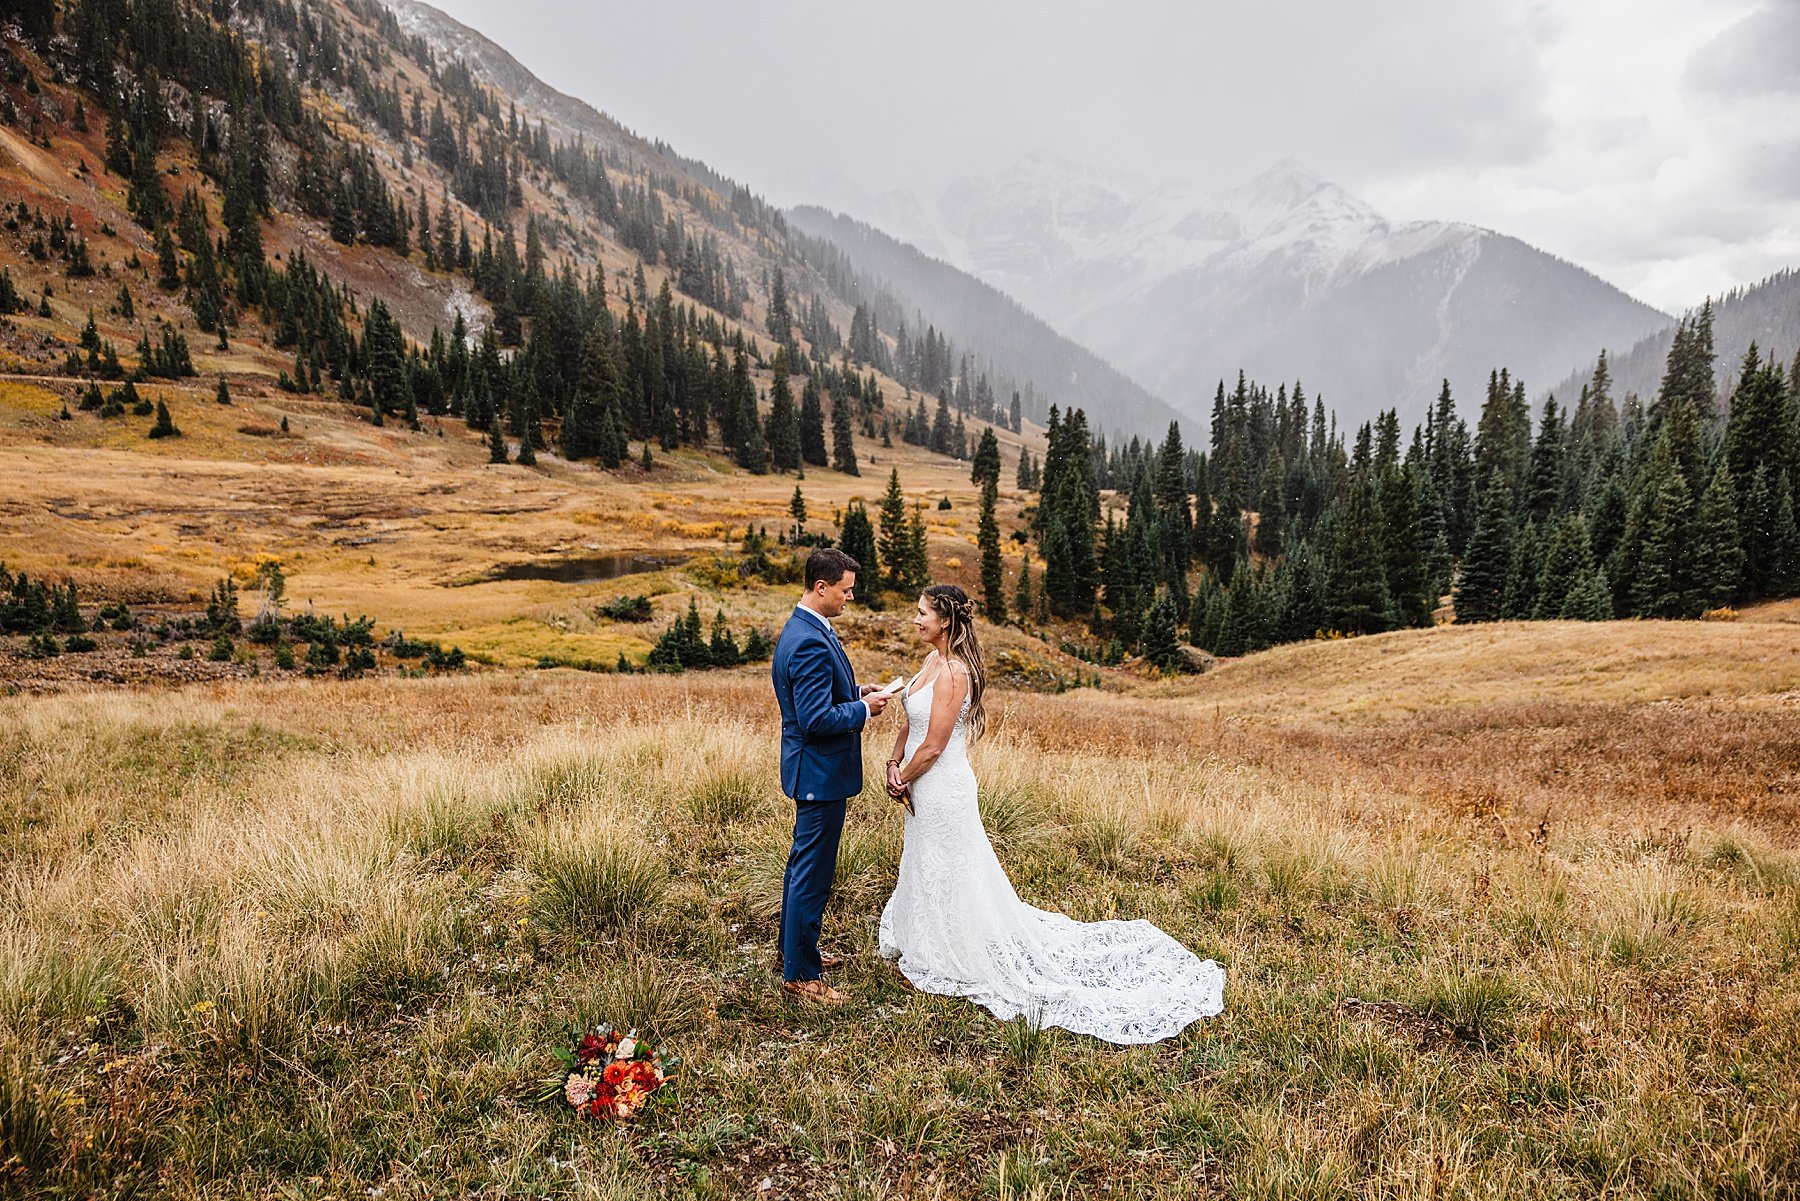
{"x": 811, "y": 868}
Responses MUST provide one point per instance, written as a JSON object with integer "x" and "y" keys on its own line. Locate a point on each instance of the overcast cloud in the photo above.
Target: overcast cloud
{"x": 1655, "y": 142}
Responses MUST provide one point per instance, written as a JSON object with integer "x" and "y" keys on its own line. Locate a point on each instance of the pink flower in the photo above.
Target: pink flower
{"x": 578, "y": 1089}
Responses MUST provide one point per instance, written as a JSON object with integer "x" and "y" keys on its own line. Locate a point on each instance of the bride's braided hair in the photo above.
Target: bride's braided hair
{"x": 958, "y": 612}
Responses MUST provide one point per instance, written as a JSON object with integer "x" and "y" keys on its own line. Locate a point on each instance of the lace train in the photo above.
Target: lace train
{"x": 959, "y": 929}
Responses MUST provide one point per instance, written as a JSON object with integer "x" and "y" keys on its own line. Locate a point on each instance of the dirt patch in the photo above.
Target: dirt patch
{"x": 1428, "y": 1031}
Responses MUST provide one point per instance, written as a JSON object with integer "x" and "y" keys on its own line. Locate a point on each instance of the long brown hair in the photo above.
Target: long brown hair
{"x": 952, "y": 604}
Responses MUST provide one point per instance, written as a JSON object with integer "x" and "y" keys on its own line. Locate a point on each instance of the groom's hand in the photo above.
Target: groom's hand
{"x": 865, "y": 689}
{"x": 876, "y": 701}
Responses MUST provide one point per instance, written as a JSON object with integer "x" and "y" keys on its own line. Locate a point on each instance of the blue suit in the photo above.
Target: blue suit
{"x": 821, "y": 768}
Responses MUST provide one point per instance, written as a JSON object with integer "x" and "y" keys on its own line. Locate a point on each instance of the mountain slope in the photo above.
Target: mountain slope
{"x": 1287, "y": 276}
{"x": 1018, "y": 343}
{"x": 1001, "y": 339}
{"x": 1767, "y": 313}
{"x": 335, "y": 191}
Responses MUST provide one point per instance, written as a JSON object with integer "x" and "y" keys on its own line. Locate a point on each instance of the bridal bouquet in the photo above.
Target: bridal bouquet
{"x": 607, "y": 1074}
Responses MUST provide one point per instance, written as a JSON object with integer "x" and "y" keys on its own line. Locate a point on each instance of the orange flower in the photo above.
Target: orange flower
{"x": 616, "y": 1073}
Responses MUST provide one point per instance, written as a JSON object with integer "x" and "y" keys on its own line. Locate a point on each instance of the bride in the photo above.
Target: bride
{"x": 954, "y": 922}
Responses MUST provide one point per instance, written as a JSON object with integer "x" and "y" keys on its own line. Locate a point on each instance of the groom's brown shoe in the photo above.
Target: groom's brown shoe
{"x": 827, "y": 961}
{"x": 816, "y": 991}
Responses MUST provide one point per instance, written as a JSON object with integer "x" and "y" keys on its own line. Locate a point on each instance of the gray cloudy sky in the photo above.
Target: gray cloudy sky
{"x": 1655, "y": 142}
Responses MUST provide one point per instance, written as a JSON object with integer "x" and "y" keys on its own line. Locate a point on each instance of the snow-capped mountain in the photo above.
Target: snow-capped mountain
{"x": 1288, "y": 276}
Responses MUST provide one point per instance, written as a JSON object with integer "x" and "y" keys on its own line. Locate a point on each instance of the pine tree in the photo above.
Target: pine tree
{"x": 797, "y": 511}
{"x": 893, "y": 531}
{"x": 843, "y": 436}
{"x": 1591, "y": 600}
{"x": 1230, "y": 619}
{"x": 752, "y": 450}
{"x": 1204, "y": 614}
{"x": 1302, "y": 590}
{"x": 940, "y": 427}
{"x": 916, "y": 558}
{"x": 856, "y": 537}
{"x": 1023, "y": 601}
{"x": 1059, "y": 586}
{"x": 1519, "y": 600}
{"x": 1271, "y": 517}
{"x": 1659, "y": 586}
{"x": 1404, "y": 549}
{"x": 1503, "y": 436}
{"x": 1546, "y": 465}
{"x": 528, "y": 432}
{"x": 1360, "y": 600}
{"x": 165, "y": 425}
{"x": 986, "y": 463}
{"x": 1482, "y": 586}
{"x": 1717, "y": 557}
{"x": 1757, "y": 524}
{"x": 168, "y": 266}
{"x": 1758, "y": 430}
{"x": 1567, "y": 569}
{"x": 1784, "y": 545}
{"x": 993, "y": 574}
{"x": 1162, "y": 645}
{"x": 781, "y": 317}
{"x": 812, "y": 425}
{"x": 783, "y": 433}
{"x": 223, "y": 396}
{"x": 1686, "y": 401}
{"x": 497, "y": 452}
{"x": 1609, "y": 513}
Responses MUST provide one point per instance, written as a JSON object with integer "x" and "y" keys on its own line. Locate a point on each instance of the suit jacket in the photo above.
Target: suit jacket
{"x": 821, "y": 715}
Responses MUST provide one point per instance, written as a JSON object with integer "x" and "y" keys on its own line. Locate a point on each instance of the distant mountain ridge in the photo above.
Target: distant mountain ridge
{"x": 981, "y": 315}
{"x": 1767, "y": 313}
{"x": 1287, "y": 276}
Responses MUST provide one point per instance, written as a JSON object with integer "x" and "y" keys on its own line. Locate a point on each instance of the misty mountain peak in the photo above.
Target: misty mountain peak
{"x": 1286, "y": 274}
{"x": 1285, "y": 184}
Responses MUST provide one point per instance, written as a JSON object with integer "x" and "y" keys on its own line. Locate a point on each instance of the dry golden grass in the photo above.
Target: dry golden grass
{"x": 321, "y": 935}
{"x": 403, "y": 526}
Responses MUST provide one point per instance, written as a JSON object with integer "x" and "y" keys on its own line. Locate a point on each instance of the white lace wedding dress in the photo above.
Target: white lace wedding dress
{"x": 958, "y": 928}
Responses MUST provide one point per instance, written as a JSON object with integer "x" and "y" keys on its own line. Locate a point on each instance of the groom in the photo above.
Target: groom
{"x": 823, "y": 712}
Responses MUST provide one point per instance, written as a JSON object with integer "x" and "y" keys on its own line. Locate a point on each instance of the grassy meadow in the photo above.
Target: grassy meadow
{"x": 413, "y": 528}
{"x": 1507, "y": 911}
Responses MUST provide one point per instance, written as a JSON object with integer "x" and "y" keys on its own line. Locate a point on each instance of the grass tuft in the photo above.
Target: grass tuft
{"x": 589, "y": 886}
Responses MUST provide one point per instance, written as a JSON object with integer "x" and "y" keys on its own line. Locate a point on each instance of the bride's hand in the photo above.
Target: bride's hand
{"x": 895, "y": 786}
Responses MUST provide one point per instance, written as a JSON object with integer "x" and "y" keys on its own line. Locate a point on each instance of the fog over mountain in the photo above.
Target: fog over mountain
{"x": 1287, "y": 276}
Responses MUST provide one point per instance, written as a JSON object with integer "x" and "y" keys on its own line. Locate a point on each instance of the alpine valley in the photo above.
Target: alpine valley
{"x": 405, "y": 470}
